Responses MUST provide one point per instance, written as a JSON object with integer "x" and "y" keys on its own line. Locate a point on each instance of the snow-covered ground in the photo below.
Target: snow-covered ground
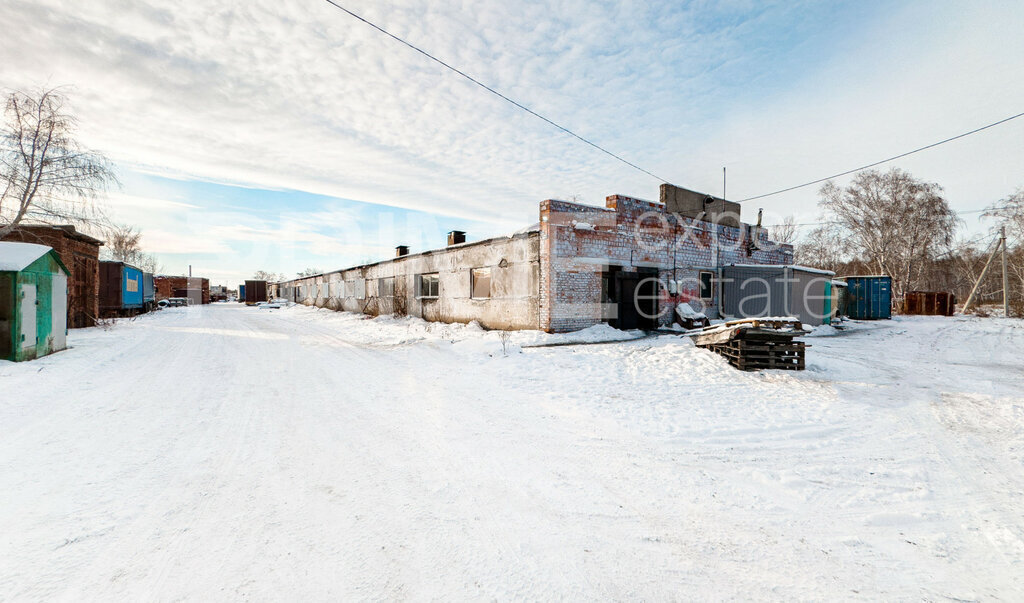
{"x": 226, "y": 452}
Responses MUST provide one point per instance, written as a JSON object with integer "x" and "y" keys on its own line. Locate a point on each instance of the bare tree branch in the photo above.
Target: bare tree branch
{"x": 784, "y": 233}
{"x": 124, "y": 244}
{"x": 896, "y": 223}
{"x": 45, "y": 174}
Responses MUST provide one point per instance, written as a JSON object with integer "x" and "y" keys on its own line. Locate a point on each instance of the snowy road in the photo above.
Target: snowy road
{"x": 230, "y": 453}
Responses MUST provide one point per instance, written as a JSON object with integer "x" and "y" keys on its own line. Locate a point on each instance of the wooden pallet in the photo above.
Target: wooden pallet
{"x": 753, "y": 355}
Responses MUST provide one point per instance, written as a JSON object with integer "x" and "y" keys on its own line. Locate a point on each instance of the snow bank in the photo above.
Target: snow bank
{"x": 823, "y": 331}
{"x": 391, "y": 331}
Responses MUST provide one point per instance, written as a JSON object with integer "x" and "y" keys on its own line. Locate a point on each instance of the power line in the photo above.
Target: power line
{"x": 959, "y": 212}
{"x": 493, "y": 91}
{"x": 966, "y": 245}
{"x": 871, "y": 165}
{"x": 978, "y": 211}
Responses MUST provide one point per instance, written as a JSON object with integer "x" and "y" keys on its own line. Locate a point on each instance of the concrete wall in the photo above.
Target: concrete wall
{"x": 691, "y": 204}
{"x": 579, "y": 242}
{"x": 515, "y": 284}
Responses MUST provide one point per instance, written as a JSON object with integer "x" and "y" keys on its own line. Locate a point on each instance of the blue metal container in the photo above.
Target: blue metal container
{"x": 241, "y": 293}
{"x": 132, "y": 288}
{"x": 868, "y": 297}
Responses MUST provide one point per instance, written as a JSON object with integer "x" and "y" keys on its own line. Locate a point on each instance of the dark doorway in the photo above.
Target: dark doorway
{"x": 635, "y": 295}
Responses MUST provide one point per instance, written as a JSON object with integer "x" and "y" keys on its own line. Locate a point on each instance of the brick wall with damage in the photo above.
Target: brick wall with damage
{"x": 394, "y": 287}
{"x": 581, "y": 245}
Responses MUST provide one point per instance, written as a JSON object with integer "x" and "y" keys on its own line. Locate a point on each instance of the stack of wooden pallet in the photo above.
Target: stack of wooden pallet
{"x": 756, "y": 343}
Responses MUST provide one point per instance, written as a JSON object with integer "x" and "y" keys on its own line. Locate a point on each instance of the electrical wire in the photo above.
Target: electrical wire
{"x": 967, "y": 245}
{"x": 871, "y": 165}
{"x": 493, "y": 91}
{"x": 620, "y": 158}
{"x": 959, "y": 212}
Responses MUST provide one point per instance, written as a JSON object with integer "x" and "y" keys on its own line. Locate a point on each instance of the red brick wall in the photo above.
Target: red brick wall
{"x": 165, "y": 286}
{"x": 81, "y": 257}
{"x": 579, "y": 242}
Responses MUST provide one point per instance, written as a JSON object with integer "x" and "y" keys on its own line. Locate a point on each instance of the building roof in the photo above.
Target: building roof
{"x": 797, "y": 267}
{"x": 519, "y": 234}
{"x": 68, "y": 230}
{"x": 865, "y": 276}
{"x": 15, "y": 257}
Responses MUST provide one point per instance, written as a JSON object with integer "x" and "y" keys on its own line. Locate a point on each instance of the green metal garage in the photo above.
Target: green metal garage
{"x": 33, "y": 301}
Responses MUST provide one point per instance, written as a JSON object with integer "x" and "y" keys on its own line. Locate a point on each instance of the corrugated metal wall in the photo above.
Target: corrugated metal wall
{"x": 929, "y": 303}
{"x": 807, "y": 296}
{"x": 754, "y": 291}
{"x": 758, "y": 291}
{"x": 869, "y": 297}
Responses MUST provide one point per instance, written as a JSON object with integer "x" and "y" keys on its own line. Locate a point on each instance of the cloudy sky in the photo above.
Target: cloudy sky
{"x": 283, "y": 135}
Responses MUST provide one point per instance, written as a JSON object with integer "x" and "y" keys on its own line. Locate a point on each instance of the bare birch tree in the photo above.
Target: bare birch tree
{"x": 1010, "y": 213}
{"x": 784, "y": 233}
{"x": 270, "y": 277}
{"x": 124, "y": 244}
{"x": 822, "y": 248}
{"x": 896, "y": 223}
{"x": 45, "y": 175}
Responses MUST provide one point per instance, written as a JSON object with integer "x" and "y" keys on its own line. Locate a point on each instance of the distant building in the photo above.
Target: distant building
{"x": 193, "y": 287}
{"x": 628, "y": 264}
{"x": 80, "y": 254}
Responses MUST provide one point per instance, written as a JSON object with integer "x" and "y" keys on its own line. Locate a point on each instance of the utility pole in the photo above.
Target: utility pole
{"x": 1006, "y": 280}
{"x": 984, "y": 271}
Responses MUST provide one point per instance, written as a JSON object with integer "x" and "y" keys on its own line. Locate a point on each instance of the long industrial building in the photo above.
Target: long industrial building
{"x": 629, "y": 264}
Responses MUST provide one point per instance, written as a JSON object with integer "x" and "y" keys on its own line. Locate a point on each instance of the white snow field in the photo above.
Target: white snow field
{"x": 231, "y": 453}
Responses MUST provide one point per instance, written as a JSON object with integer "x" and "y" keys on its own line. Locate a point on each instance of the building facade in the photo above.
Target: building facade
{"x": 80, "y": 253}
{"x": 495, "y": 282}
{"x": 192, "y": 287}
{"x": 629, "y": 264}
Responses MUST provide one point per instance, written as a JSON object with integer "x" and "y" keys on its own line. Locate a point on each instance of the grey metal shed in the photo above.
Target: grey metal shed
{"x": 751, "y": 291}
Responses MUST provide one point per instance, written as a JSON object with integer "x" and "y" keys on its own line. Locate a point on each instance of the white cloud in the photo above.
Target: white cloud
{"x": 300, "y": 96}
{"x": 161, "y": 241}
{"x": 122, "y": 201}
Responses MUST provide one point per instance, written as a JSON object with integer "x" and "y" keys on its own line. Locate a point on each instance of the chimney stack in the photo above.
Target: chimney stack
{"x": 455, "y": 237}
{"x": 401, "y": 250}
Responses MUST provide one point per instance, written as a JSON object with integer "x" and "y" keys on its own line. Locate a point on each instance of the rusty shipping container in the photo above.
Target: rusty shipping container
{"x": 929, "y": 303}
{"x": 255, "y": 292}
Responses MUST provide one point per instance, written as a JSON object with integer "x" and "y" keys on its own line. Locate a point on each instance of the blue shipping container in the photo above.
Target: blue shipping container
{"x": 241, "y": 293}
{"x": 868, "y": 297}
{"x": 132, "y": 288}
